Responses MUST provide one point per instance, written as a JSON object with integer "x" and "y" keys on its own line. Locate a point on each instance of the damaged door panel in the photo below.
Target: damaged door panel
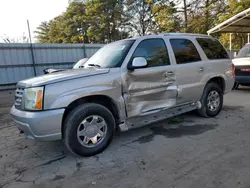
{"x": 149, "y": 91}
{"x": 152, "y": 88}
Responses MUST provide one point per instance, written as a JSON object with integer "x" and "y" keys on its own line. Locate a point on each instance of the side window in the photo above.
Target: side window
{"x": 184, "y": 51}
{"x": 154, "y": 50}
{"x": 212, "y": 48}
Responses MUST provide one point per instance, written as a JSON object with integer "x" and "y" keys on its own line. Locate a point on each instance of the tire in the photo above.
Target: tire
{"x": 205, "y": 111}
{"x": 74, "y": 122}
{"x": 236, "y": 86}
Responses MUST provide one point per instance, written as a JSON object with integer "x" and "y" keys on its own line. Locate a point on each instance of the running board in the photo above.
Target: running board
{"x": 140, "y": 121}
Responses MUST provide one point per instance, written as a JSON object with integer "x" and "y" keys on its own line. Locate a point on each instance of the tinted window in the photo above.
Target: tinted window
{"x": 212, "y": 48}
{"x": 244, "y": 52}
{"x": 184, "y": 51}
{"x": 154, "y": 50}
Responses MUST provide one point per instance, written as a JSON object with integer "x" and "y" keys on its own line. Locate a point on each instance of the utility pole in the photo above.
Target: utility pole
{"x": 31, "y": 49}
{"x": 185, "y": 15}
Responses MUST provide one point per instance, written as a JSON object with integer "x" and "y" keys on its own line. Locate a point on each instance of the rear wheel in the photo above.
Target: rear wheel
{"x": 212, "y": 100}
{"x": 89, "y": 129}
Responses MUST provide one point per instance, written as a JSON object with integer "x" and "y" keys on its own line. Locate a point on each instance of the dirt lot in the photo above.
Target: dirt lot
{"x": 186, "y": 151}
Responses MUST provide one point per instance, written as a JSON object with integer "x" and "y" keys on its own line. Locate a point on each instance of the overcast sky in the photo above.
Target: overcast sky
{"x": 14, "y": 13}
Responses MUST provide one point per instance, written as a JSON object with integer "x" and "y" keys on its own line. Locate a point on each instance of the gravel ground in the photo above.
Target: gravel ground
{"x": 185, "y": 151}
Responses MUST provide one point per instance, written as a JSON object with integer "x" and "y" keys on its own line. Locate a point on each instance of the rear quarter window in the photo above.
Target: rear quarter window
{"x": 212, "y": 48}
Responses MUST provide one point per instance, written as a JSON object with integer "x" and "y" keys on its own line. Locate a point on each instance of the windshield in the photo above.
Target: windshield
{"x": 244, "y": 52}
{"x": 111, "y": 55}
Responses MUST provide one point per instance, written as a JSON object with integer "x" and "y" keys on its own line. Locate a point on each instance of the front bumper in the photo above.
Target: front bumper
{"x": 43, "y": 125}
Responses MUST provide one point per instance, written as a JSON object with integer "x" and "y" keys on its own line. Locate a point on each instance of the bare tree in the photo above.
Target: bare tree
{"x": 20, "y": 39}
{"x": 142, "y": 13}
{"x": 184, "y": 7}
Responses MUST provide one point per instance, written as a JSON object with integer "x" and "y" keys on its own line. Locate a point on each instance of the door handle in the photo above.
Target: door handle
{"x": 201, "y": 69}
{"x": 169, "y": 74}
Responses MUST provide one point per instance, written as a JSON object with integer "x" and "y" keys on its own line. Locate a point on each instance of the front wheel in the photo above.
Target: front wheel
{"x": 89, "y": 129}
{"x": 212, "y": 100}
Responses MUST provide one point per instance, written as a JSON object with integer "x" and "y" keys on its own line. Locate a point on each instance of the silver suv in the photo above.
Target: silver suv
{"x": 125, "y": 85}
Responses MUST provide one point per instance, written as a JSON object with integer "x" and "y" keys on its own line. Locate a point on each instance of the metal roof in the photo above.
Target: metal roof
{"x": 239, "y": 23}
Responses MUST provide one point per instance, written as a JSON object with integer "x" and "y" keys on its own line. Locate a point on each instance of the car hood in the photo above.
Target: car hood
{"x": 61, "y": 76}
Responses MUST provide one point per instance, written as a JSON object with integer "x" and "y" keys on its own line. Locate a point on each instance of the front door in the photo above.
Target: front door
{"x": 189, "y": 70}
{"x": 152, "y": 88}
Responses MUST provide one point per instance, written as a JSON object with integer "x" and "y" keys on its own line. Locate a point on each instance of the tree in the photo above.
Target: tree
{"x": 101, "y": 21}
{"x": 185, "y": 14}
{"x": 21, "y": 39}
{"x": 43, "y": 32}
{"x": 69, "y": 26}
{"x": 105, "y": 20}
{"x": 205, "y": 14}
{"x": 66, "y": 27}
{"x": 144, "y": 15}
{"x": 183, "y": 7}
{"x": 166, "y": 19}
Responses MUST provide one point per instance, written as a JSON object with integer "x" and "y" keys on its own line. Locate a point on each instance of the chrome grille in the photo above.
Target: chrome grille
{"x": 19, "y": 96}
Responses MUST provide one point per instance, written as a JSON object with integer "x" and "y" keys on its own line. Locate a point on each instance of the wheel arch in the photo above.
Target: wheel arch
{"x": 103, "y": 100}
{"x": 218, "y": 80}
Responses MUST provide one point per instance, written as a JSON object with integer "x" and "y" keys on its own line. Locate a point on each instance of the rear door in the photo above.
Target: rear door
{"x": 217, "y": 61}
{"x": 189, "y": 69}
{"x": 152, "y": 88}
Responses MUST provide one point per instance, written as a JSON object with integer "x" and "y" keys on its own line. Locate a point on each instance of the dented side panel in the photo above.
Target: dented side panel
{"x": 148, "y": 90}
{"x": 62, "y": 94}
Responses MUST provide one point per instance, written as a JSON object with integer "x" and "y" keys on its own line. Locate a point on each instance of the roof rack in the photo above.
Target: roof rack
{"x": 186, "y": 34}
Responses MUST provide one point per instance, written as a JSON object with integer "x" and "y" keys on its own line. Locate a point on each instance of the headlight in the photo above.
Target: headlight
{"x": 34, "y": 98}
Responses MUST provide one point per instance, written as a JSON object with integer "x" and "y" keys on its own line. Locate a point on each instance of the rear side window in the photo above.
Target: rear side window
{"x": 212, "y": 48}
{"x": 184, "y": 51}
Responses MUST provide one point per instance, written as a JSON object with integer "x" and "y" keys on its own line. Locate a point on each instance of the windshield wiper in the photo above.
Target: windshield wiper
{"x": 94, "y": 65}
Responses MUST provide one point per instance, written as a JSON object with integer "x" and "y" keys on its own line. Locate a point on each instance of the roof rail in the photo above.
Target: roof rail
{"x": 186, "y": 34}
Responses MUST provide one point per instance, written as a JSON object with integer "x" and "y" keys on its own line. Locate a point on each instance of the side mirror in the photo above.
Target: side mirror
{"x": 139, "y": 62}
